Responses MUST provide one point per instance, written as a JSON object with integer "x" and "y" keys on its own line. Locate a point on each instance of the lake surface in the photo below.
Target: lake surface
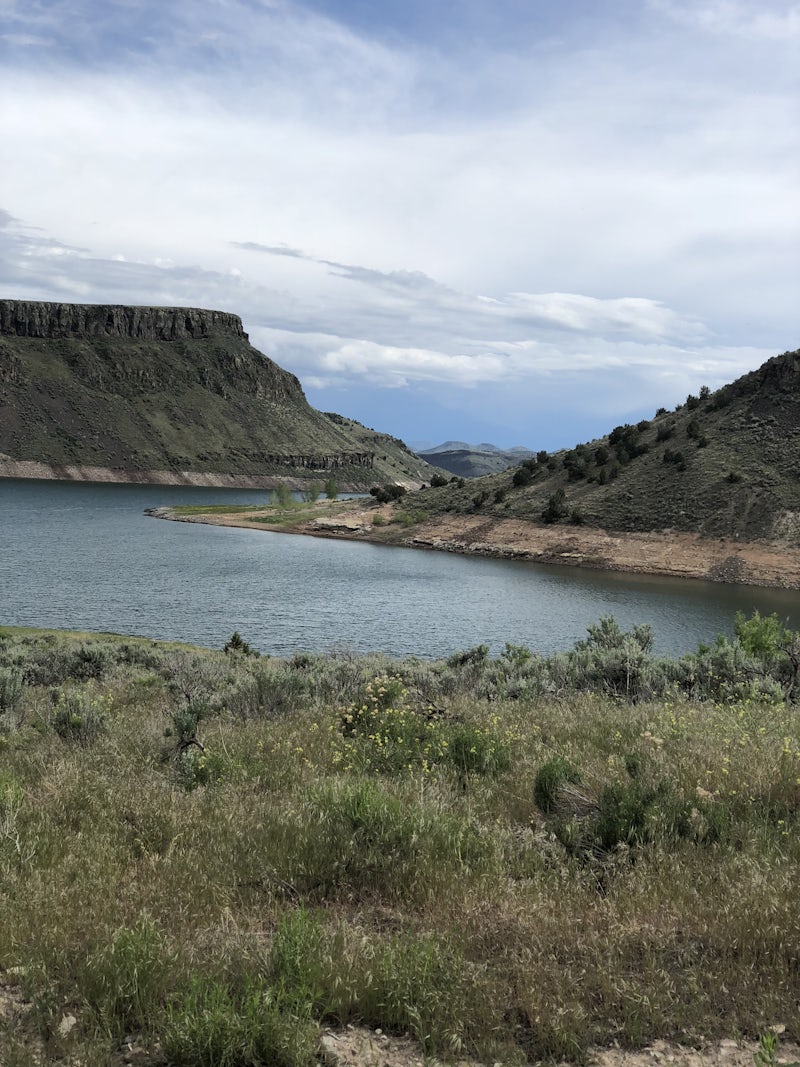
{"x": 84, "y": 556}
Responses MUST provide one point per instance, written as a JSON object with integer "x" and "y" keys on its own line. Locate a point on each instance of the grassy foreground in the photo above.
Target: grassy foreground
{"x": 512, "y": 859}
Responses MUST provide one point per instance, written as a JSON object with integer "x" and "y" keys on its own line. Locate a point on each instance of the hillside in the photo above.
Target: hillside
{"x": 722, "y": 464}
{"x": 177, "y": 393}
{"x": 473, "y": 461}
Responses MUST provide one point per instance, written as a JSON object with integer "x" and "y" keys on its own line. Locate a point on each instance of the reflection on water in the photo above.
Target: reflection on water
{"x": 82, "y": 556}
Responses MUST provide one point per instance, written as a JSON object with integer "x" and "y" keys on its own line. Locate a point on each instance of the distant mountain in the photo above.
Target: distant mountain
{"x": 722, "y": 464}
{"x": 473, "y": 461}
{"x": 128, "y": 393}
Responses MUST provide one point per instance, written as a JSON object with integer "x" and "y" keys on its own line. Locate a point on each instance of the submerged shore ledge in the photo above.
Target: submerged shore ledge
{"x": 666, "y": 553}
{"x": 28, "y": 468}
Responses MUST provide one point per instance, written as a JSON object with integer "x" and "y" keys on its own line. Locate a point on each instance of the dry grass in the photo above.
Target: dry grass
{"x": 227, "y": 899}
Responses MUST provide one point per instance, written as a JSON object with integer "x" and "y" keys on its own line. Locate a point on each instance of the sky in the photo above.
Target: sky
{"x": 514, "y": 221}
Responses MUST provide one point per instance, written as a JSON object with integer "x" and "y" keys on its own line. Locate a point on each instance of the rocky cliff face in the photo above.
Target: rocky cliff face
{"x": 29, "y": 318}
{"x": 141, "y": 393}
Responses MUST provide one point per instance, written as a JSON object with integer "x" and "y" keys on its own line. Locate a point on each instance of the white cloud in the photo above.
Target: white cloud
{"x": 741, "y": 18}
{"x": 390, "y": 215}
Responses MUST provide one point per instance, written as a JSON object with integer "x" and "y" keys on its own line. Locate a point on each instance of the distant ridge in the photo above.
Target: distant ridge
{"x": 473, "y": 461}
{"x": 125, "y": 393}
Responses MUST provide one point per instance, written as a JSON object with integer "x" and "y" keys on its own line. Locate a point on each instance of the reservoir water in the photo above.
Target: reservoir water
{"x": 84, "y": 556}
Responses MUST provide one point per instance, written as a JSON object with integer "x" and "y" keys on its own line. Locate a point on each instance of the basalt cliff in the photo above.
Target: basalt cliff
{"x": 172, "y": 395}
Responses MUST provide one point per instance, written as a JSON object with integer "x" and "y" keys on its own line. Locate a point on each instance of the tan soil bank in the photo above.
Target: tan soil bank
{"x": 25, "y": 468}
{"x": 672, "y": 554}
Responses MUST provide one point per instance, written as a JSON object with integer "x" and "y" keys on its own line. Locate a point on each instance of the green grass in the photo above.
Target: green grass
{"x": 215, "y": 509}
{"x": 513, "y": 859}
{"x": 295, "y": 512}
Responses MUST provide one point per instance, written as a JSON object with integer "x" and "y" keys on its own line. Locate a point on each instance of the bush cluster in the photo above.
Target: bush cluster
{"x": 387, "y": 494}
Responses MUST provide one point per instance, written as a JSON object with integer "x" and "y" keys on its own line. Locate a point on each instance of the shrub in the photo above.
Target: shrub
{"x": 195, "y": 766}
{"x": 437, "y": 481}
{"x": 93, "y": 660}
{"x": 11, "y": 689}
{"x": 395, "y": 737}
{"x": 550, "y": 777}
{"x": 186, "y": 720}
{"x": 281, "y": 496}
{"x": 270, "y": 692}
{"x": 77, "y": 717}
{"x": 409, "y": 518}
{"x": 675, "y": 457}
{"x": 477, "y": 655}
{"x": 633, "y": 813}
{"x": 664, "y": 432}
{"x": 236, "y": 645}
{"x": 331, "y": 489}
{"x": 556, "y": 507}
{"x": 522, "y": 476}
{"x": 387, "y": 494}
{"x": 474, "y": 750}
{"x": 762, "y": 636}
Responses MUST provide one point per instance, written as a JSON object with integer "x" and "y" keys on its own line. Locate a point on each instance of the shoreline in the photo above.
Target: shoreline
{"x": 670, "y": 554}
{"x": 32, "y": 469}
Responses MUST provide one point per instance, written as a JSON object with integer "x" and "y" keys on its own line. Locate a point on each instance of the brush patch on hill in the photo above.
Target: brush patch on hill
{"x": 722, "y": 464}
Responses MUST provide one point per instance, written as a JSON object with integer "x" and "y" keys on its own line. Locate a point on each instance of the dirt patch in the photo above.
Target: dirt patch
{"x": 361, "y": 1047}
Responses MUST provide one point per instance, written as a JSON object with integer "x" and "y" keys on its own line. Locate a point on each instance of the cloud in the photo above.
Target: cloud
{"x": 736, "y": 18}
{"x": 25, "y": 40}
{"x": 577, "y": 194}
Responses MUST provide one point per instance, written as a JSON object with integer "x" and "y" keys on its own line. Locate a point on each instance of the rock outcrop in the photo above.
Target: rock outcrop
{"x": 32, "y": 318}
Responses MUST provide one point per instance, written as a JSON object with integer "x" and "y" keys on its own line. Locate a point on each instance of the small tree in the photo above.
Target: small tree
{"x": 311, "y": 495}
{"x": 556, "y": 507}
{"x": 331, "y": 488}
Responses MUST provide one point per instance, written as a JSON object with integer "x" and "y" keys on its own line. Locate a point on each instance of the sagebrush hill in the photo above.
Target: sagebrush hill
{"x": 722, "y": 464}
{"x": 173, "y": 392}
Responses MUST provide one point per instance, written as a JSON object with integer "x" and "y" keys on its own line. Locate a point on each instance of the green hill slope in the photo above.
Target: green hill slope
{"x": 175, "y": 390}
{"x": 725, "y": 463}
